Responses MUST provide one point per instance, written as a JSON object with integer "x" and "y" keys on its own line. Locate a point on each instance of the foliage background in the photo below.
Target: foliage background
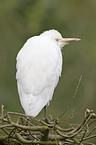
{"x": 21, "y": 19}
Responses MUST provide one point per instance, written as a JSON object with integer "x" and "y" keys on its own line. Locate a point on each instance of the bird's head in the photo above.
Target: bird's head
{"x": 55, "y": 36}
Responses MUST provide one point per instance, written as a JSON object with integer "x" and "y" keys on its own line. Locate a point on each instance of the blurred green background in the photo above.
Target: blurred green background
{"x": 21, "y": 19}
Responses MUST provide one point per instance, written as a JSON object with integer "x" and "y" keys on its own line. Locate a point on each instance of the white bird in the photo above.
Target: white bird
{"x": 39, "y": 66}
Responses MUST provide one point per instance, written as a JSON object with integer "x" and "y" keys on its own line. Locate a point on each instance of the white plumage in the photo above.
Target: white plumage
{"x": 39, "y": 66}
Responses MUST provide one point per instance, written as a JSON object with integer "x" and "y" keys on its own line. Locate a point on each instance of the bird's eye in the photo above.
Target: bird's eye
{"x": 56, "y": 39}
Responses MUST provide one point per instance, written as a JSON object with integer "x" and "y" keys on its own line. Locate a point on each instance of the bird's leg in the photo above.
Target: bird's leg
{"x": 27, "y": 121}
{"x": 45, "y": 113}
{"x": 27, "y": 125}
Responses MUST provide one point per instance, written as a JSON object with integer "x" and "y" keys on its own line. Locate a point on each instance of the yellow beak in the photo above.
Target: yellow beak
{"x": 67, "y": 40}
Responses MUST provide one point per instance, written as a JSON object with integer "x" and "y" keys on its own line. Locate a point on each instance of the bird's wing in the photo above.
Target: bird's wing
{"x": 39, "y": 65}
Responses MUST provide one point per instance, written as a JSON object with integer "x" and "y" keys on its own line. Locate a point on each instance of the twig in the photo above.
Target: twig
{"x": 63, "y": 130}
{"x": 2, "y": 111}
{"x": 2, "y": 138}
{"x": 90, "y": 137}
{"x": 21, "y": 139}
{"x": 83, "y": 136}
{"x": 46, "y": 133}
{"x": 72, "y": 97}
{"x": 91, "y": 131}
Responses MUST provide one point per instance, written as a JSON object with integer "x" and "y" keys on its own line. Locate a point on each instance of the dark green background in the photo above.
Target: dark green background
{"x": 21, "y": 19}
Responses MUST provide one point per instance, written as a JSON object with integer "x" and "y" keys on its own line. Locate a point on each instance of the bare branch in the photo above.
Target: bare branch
{"x": 46, "y": 133}
{"x": 21, "y": 139}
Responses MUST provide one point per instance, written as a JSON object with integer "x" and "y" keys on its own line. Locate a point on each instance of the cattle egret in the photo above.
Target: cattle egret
{"x": 39, "y": 66}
